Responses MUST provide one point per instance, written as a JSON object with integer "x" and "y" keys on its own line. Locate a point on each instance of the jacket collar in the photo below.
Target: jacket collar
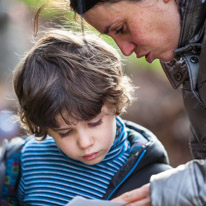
{"x": 192, "y": 14}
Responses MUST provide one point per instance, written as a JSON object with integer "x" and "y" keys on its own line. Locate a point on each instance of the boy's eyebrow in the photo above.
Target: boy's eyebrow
{"x": 60, "y": 129}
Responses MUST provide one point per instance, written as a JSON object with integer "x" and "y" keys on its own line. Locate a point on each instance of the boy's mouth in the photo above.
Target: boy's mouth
{"x": 91, "y": 156}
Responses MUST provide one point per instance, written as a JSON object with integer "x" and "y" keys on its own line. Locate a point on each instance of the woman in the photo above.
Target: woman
{"x": 173, "y": 31}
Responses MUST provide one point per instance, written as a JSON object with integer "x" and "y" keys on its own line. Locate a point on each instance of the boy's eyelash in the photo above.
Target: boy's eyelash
{"x": 94, "y": 124}
{"x": 66, "y": 133}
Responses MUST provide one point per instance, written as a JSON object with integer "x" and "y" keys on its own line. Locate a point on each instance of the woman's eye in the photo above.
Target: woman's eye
{"x": 66, "y": 133}
{"x": 120, "y": 30}
{"x": 94, "y": 124}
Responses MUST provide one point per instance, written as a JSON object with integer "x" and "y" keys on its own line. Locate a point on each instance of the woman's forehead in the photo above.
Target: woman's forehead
{"x": 121, "y": 7}
{"x": 103, "y": 14}
{"x": 106, "y": 12}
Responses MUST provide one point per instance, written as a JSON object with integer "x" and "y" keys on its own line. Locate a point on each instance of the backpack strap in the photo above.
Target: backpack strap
{"x": 10, "y": 169}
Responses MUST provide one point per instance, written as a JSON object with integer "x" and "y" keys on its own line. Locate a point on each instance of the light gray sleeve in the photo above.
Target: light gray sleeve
{"x": 181, "y": 186}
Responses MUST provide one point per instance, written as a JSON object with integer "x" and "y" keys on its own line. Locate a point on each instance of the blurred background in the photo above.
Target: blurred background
{"x": 158, "y": 106}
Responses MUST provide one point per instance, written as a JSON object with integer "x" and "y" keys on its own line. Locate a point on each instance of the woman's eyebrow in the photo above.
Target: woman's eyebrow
{"x": 106, "y": 29}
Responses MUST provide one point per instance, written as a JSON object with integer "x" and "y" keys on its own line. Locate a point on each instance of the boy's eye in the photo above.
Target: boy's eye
{"x": 66, "y": 133}
{"x": 120, "y": 30}
{"x": 94, "y": 124}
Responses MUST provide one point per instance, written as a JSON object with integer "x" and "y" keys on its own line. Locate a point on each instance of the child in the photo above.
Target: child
{"x": 71, "y": 91}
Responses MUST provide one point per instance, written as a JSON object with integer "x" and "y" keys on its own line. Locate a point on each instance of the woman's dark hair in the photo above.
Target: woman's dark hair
{"x": 63, "y": 73}
{"x": 81, "y": 6}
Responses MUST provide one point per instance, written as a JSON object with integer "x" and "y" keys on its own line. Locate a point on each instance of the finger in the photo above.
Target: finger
{"x": 143, "y": 202}
{"x": 129, "y": 196}
{"x": 134, "y": 195}
{"x": 126, "y": 197}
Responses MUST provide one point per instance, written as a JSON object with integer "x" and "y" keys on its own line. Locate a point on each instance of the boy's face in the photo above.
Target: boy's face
{"x": 86, "y": 141}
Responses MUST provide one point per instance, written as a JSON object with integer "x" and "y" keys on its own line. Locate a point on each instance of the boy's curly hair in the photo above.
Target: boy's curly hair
{"x": 63, "y": 72}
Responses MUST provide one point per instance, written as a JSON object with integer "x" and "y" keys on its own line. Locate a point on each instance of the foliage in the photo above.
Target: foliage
{"x": 51, "y": 8}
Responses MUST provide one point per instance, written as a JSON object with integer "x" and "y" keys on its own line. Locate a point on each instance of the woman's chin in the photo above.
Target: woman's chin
{"x": 167, "y": 58}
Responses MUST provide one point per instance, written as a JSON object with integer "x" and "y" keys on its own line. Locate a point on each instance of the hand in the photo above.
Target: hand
{"x": 137, "y": 197}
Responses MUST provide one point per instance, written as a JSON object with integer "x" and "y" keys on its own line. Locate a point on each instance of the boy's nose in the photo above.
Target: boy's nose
{"x": 85, "y": 141}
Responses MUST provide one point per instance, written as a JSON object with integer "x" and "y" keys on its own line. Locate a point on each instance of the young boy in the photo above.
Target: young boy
{"x": 71, "y": 91}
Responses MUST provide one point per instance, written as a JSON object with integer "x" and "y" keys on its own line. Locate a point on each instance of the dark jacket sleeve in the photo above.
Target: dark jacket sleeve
{"x": 184, "y": 185}
{"x": 141, "y": 178}
{"x": 201, "y": 79}
{"x": 194, "y": 95}
{"x": 146, "y": 159}
{"x": 197, "y": 116}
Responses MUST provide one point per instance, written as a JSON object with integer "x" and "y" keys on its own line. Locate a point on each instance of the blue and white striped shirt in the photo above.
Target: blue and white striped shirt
{"x": 51, "y": 178}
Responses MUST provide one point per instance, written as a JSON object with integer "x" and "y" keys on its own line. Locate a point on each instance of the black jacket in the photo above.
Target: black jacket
{"x": 189, "y": 69}
{"x": 186, "y": 185}
{"x": 150, "y": 159}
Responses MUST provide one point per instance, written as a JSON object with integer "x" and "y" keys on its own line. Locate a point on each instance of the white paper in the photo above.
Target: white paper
{"x": 80, "y": 201}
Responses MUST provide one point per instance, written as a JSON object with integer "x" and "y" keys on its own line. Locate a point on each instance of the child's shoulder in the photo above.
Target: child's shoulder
{"x": 32, "y": 142}
{"x": 139, "y": 130}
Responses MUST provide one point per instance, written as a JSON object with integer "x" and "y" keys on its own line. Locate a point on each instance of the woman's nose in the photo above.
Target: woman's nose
{"x": 126, "y": 47}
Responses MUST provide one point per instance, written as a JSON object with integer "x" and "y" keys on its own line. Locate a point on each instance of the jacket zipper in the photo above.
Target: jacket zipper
{"x": 128, "y": 174}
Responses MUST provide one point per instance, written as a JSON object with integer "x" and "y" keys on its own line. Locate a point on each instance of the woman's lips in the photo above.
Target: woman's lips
{"x": 140, "y": 55}
{"x": 91, "y": 156}
{"x": 148, "y": 58}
